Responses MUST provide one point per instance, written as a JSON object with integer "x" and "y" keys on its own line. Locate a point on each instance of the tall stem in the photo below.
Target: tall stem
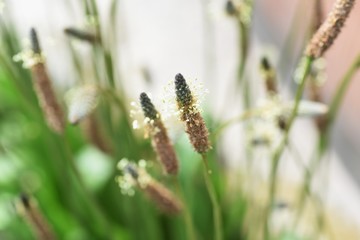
{"x": 93, "y": 205}
{"x": 189, "y": 224}
{"x": 278, "y": 152}
{"x": 340, "y": 93}
{"x": 323, "y": 142}
{"x": 214, "y": 201}
{"x": 243, "y": 48}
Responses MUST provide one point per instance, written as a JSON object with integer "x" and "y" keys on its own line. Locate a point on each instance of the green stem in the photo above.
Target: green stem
{"x": 323, "y": 142}
{"x": 189, "y": 224}
{"x": 97, "y": 213}
{"x": 243, "y": 48}
{"x": 340, "y": 93}
{"x": 214, "y": 201}
{"x": 244, "y": 116}
{"x": 278, "y": 152}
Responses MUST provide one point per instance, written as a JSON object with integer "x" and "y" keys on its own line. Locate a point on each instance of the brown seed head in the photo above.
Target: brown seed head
{"x": 44, "y": 91}
{"x": 198, "y": 133}
{"x": 164, "y": 148}
{"x": 95, "y": 135}
{"x": 34, "y": 218}
{"x": 194, "y": 123}
{"x": 330, "y": 29}
{"x": 163, "y": 198}
{"x": 155, "y": 191}
{"x": 160, "y": 139}
{"x": 269, "y": 75}
{"x": 46, "y": 96}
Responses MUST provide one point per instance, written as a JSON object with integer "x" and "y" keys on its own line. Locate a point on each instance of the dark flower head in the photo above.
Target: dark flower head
{"x": 148, "y": 107}
{"x": 25, "y": 200}
{"x": 265, "y": 64}
{"x": 183, "y": 94}
{"x": 35, "y": 45}
{"x": 230, "y": 8}
{"x": 131, "y": 169}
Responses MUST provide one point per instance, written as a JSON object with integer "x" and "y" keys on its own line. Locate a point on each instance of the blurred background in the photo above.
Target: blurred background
{"x": 156, "y": 39}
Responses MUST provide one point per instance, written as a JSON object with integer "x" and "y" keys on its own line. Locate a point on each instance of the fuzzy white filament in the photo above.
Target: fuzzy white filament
{"x": 81, "y": 102}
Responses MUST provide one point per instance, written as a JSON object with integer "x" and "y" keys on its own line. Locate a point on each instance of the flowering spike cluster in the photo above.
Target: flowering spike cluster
{"x": 330, "y": 29}
{"x": 135, "y": 175}
{"x": 81, "y": 35}
{"x": 269, "y": 75}
{"x": 160, "y": 139}
{"x": 194, "y": 123}
{"x": 44, "y": 91}
{"x": 34, "y": 218}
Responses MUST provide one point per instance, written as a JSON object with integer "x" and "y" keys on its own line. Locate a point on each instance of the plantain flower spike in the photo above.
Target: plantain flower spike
{"x": 134, "y": 175}
{"x": 43, "y": 88}
{"x": 194, "y": 123}
{"x": 270, "y": 76}
{"x": 81, "y": 35}
{"x": 81, "y": 103}
{"x": 27, "y": 208}
{"x": 160, "y": 140}
{"x": 330, "y": 29}
{"x": 231, "y": 9}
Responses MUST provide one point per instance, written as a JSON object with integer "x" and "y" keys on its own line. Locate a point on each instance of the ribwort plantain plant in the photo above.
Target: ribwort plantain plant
{"x": 70, "y": 171}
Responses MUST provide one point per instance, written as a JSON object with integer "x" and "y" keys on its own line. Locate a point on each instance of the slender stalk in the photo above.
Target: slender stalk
{"x": 214, "y": 201}
{"x": 340, "y": 93}
{"x": 189, "y": 224}
{"x": 324, "y": 139}
{"x": 288, "y": 50}
{"x": 278, "y": 152}
{"x": 243, "y": 48}
{"x": 229, "y": 122}
{"x": 103, "y": 56}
